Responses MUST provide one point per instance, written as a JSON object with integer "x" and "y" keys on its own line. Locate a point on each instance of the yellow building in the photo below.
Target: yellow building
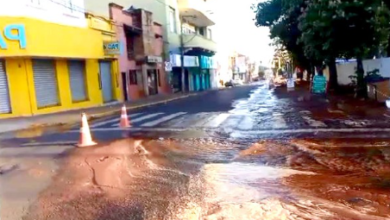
{"x": 48, "y": 67}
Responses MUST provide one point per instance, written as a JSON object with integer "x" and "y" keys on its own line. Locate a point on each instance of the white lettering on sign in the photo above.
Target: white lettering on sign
{"x": 154, "y": 59}
{"x": 112, "y": 48}
{"x": 168, "y": 66}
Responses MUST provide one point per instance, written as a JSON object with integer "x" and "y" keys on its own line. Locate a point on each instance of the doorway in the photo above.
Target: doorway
{"x": 186, "y": 80}
{"x": 152, "y": 81}
{"x": 106, "y": 81}
{"x": 125, "y": 80}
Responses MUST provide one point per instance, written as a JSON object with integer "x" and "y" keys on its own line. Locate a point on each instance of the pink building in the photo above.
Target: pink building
{"x": 141, "y": 63}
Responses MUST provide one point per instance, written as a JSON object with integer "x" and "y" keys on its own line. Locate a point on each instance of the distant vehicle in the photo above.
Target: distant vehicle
{"x": 229, "y": 83}
{"x": 234, "y": 82}
{"x": 237, "y": 82}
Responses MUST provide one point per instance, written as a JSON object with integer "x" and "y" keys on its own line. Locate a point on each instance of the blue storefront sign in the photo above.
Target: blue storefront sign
{"x": 205, "y": 62}
{"x": 112, "y": 48}
{"x": 208, "y": 62}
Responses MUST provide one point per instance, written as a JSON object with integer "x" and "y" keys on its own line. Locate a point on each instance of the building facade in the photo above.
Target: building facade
{"x": 239, "y": 67}
{"x": 160, "y": 10}
{"x": 141, "y": 63}
{"x": 55, "y": 58}
{"x": 185, "y": 23}
{"x": 195, "y": 24}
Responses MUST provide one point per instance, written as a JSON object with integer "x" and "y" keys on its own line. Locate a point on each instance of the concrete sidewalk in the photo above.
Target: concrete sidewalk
{"x": 73, "y": 116}
{"x": 337, "y": 103}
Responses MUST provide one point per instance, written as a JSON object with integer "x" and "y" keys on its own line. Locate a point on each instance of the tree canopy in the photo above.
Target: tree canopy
{"x": 319, "y": 31}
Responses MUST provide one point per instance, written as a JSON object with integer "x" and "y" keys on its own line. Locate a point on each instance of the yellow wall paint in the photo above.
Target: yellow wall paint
{"x": 65, "y": 94}
{"x": 63, "y": 85}
{"x": 21, "y": 86}
{"x": 94, "y": 91}
{"x": 18, "y": 88}
{"x": 57, "y": 42}
{"x": 54, "y": 40}
{"x": 117, "y": 81}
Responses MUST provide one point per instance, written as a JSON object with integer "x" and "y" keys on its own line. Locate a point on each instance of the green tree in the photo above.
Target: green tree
{"x": 281, "y": 16}
{"x": 317, "y": 25}
{"x": 314, "y": 31}
{"x": 383, "y": 18}
{"x": 345, "y": 28}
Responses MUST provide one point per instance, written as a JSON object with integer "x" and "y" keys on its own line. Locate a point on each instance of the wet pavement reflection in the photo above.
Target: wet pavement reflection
{"x": 216, "y": 175}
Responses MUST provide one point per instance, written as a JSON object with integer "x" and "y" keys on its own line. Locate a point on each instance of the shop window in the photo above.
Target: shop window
{"x": 158, "y": 78}
{"x": 133, "y": 77}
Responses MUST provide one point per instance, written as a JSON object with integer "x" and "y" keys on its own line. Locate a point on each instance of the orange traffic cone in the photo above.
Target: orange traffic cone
{"x": 85, "y": 133}
{"x": 125, "y": 123}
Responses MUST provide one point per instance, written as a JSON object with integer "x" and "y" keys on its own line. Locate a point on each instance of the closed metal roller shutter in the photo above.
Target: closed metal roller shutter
{"x": 5, "y": 104}
{"x": 77, "y": 80}
{"x": 106, "y": 80}
{"x": 45, "y": 83}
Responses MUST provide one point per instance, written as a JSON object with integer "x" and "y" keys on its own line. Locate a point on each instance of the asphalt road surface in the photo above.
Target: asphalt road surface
{"x": 242, "y": 153}
{"x": 251, "y": 111}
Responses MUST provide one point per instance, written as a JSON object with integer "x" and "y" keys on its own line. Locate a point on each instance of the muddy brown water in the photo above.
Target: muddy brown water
{"x": 208, "y": 179}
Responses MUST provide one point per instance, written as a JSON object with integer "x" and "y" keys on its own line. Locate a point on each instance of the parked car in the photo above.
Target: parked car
{"x": 229, "y": 83}
{"x": 237, "y": 82}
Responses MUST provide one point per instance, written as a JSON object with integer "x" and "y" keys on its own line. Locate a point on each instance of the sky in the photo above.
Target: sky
{"x": 236, "y": 30}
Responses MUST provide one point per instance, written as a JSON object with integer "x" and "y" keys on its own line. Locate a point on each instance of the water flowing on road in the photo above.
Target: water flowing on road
{"x": 224, "y": 177}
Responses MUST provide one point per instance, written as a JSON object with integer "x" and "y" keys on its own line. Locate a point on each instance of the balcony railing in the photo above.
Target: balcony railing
{"x": 199, "y": 41}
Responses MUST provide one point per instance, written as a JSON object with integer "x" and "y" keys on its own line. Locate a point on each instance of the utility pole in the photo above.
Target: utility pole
{"x": 183, "y": 77}
{"x": 182, "y": 49}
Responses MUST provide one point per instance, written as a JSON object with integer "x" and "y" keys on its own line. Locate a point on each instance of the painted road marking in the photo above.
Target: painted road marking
{"x": 114, "y": 120}
{"x": 163, "y": 119}
{"x": 246, "y": 123}
{"x": 279, "y": 121}
{"x": 180, "y": 122}
{"x": 133, "y": 129}
{"x": 232, "y": 122}
{"x": 192, "y": 120}
{"x": 51, "y": 143}
{"x": 200, "y": 120}
{"x": 317, "y": 130}
{"x": 215, "y": 122}
{"x": 250, "y": 132}
{"x": 314, "y": 123}
{"x": 141, "y": 118}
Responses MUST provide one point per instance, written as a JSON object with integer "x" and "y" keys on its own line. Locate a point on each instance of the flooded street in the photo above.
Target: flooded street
{"x": 215, "y": 174}
{"x": 204, "y": 179}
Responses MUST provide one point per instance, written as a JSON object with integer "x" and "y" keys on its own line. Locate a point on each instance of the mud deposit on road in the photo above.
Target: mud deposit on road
{"x": 217, "y": 179}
